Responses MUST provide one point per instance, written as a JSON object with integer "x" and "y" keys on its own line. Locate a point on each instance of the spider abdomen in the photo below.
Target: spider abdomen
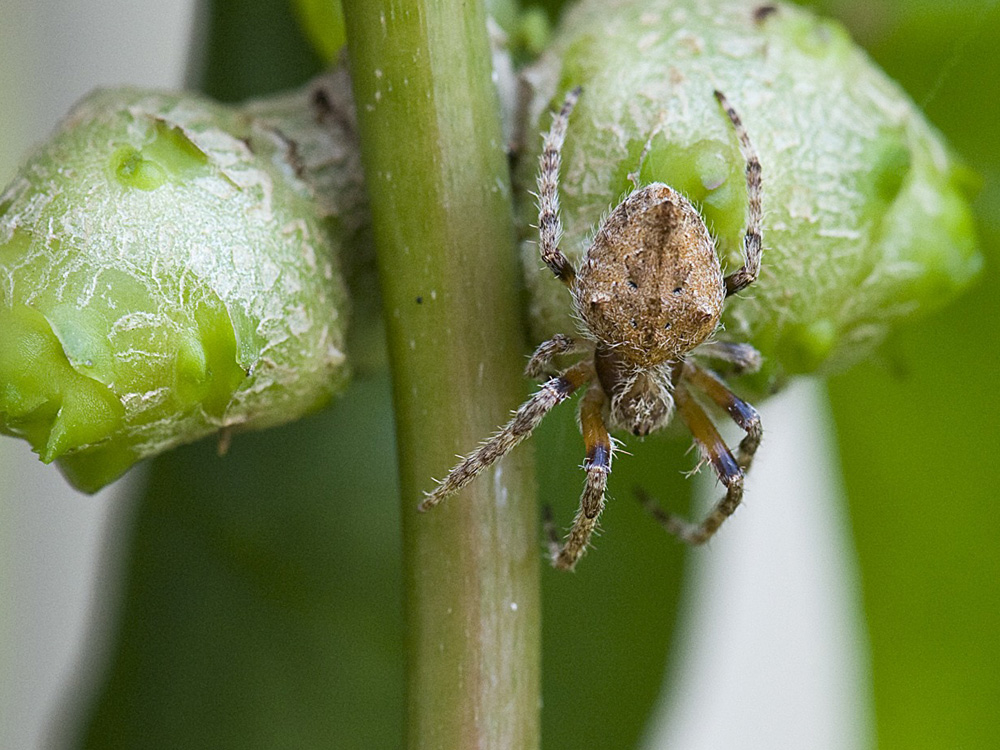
{"x": 651, "y": 286}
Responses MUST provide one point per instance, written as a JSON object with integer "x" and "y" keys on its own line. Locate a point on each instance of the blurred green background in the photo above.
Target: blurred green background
{"x": 918, "y": 430}
{"x": 262, "y": 601}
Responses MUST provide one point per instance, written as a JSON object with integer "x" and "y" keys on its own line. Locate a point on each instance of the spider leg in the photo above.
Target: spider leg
{"x": 547, "y": 351}
{"x": 597, "y": 465}
{"x": 549, "y": 224}
{"x": 752, "y": 240}
{"x": 553, "y": 392}
{"x": 727, "y": 467}
{"x": 742, "y": 357}
{"x": 739, "y": 410}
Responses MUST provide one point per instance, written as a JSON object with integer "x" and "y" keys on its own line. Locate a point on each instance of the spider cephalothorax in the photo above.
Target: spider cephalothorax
{"x": 649, "y": 293}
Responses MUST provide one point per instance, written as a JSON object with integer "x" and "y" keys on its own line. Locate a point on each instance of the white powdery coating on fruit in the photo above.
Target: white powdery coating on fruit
{"x": 243, "y": 234}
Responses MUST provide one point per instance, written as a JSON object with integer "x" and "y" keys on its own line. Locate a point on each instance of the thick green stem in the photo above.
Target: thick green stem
{"x": 440, "y": 198}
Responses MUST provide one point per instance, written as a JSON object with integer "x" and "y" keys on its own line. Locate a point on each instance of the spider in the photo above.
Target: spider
{"x": 649, "y": 295}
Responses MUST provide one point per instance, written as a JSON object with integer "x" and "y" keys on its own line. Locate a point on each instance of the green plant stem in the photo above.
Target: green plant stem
{"x": 440, "y": 199}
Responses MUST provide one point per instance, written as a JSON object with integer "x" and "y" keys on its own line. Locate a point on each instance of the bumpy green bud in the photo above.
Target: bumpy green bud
{"x": 866, "y": 219}
{"x": 168, "y": 269}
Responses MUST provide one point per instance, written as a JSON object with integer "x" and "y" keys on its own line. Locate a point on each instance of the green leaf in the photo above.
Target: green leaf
{"x": 918, "y": 428}
{"x": 251, "y": 48}
{"x": 263, "y": 599}
{"x": 606, "y": 629}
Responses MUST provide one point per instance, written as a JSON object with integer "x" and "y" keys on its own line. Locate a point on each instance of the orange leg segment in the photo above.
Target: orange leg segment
{"x": 597, "y": 464}
{"x": 727, "y": 467}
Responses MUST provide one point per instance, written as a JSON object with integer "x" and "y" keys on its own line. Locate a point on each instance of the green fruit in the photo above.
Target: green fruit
{"x": 866, "y": 213}
{"x": 168, "y": 269}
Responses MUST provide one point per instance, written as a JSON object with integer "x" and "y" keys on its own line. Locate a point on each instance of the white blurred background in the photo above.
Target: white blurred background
{"x": 51, "y": 537}
{"x": 773, "y": 653}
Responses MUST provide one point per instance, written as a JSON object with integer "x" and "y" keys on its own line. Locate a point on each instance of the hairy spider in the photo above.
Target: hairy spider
{"x": 649, "y": 294}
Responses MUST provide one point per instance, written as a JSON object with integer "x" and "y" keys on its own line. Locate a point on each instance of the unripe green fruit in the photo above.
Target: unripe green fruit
{"x": 167, "y": 270}
{"x": 866, "y": 218}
